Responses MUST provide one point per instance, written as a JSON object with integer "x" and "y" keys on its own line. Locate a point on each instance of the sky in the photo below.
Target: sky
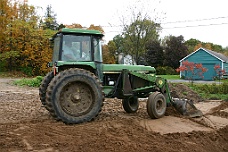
{"x": 205, "y": 20}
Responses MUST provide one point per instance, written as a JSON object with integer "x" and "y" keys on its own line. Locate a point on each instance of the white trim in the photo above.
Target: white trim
{"x": 180, "y": 71}
{"x": 197, "y": 51}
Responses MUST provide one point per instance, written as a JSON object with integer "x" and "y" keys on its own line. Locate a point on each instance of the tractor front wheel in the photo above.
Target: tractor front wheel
{"x": 130, "y": 104}
{"x": 75, "y": 96}
{"x": 156, "y": 105}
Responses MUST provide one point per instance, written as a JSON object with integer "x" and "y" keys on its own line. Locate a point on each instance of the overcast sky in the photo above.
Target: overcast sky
{"x": 205, "y": 20}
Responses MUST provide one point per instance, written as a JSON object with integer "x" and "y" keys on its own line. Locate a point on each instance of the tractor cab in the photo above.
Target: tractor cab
{"x": 77, "y": 45}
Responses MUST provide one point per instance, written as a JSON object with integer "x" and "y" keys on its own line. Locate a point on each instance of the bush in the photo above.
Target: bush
{"x": 27, "y": 70}
{"x": 2, "y": 66}
{"x": 166, "y": 70}
{"x": 216, "y": 89}
{"x": 212, "y": 91}
{"x": 224, "y": 87}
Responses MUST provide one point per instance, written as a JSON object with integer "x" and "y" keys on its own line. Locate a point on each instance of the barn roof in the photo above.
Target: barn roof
{"x": 217, "y": 55}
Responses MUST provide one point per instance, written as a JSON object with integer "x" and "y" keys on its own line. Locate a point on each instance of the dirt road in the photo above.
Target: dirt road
{"x": 26, "y": 126}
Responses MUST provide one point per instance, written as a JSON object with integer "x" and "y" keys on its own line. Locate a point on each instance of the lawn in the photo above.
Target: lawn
{"x": 170, "y": 77}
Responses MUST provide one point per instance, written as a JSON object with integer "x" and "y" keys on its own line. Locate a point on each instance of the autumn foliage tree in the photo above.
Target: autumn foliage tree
{"x": 94, "y": 27}
{"x": 24, "y": 39}
{"x": 108, "y": 58}
{"x": 23, "y": 45}
{"x": 219, "y": 71}
{"x": 192, "y": 69}
{"x": 74, "y": 25}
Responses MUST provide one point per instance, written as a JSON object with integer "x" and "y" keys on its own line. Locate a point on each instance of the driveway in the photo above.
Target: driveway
{"x": 196, "y": 81}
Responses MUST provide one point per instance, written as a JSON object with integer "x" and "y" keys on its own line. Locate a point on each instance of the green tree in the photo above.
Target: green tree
{"x": 217, "y": 48}
{"x": 226, "y": 51}
{"x": 174, "y": 51}
{"x": 118, "y": 40}
{"x": 194, "y": 44}
{"x": 137, "y": 34}
{"x": 191, "y": 43}
{"x": 61, "y": 26}
{"x": 154, "y": 53}
{"x": 50, "y": 21}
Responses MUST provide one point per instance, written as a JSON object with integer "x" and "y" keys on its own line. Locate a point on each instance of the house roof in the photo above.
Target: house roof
{"x": 217, "y": 55}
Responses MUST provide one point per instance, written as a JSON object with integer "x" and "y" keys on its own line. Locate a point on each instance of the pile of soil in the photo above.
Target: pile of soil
{"x": 27, "y": 126}
{"x": 182, "y": 91}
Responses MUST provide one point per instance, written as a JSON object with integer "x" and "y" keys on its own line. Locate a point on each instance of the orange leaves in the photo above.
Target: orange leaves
{"x": 186, "y": 66}
{"x": 199, "y": 45}
{"x": 93, "y": 27}
{"x": 200, "y": 66}
{"x": 108, "y": 58}
{"x": 217, "y": 67}
{"x": 219, "y": 70}
{"x": 74, "y": 25}
{"x": 22, "y": 44}
{"x": 192, "y": 68}
{"x": 181, "y": 68}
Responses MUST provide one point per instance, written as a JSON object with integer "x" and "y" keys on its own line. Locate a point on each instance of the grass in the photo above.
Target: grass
{"x": 223, "y": 80}
{"x": 31, "y": 82}
{"x": 185, "y": 93}
{"x": 214, "y": 96}
{"x": 170, "y": 77}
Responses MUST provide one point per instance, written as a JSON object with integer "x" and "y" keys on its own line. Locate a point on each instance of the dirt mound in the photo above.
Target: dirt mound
{"x": 221, "y": 110}
{"x": 26, "y": 126}
{"x": 184, "y": 92}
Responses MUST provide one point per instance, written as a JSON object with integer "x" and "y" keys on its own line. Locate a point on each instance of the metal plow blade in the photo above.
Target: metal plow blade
{"x": 186, "y": 108}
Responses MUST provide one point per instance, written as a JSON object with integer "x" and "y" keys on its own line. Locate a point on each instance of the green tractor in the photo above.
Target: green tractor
{"x": 75, "y": 89}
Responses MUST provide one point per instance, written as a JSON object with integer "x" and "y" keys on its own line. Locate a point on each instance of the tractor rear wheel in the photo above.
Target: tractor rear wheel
{"x": 130, "y": 104}
{"x": 43, "y": 87}
{"x": 156, "y": 105}
{"x": 75, "y": 96}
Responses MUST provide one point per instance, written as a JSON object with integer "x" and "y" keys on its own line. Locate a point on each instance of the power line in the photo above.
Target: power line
{"x": 112, "y": 31}
{"x": 188, "y": 26}
{"x": 197, "y": 20}
{"x": 195, "y": 26}
{"x": 181, "y": 21}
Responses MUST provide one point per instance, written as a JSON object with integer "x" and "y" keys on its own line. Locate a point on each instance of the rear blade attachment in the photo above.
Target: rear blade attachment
{"x": 186, "y": 108}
